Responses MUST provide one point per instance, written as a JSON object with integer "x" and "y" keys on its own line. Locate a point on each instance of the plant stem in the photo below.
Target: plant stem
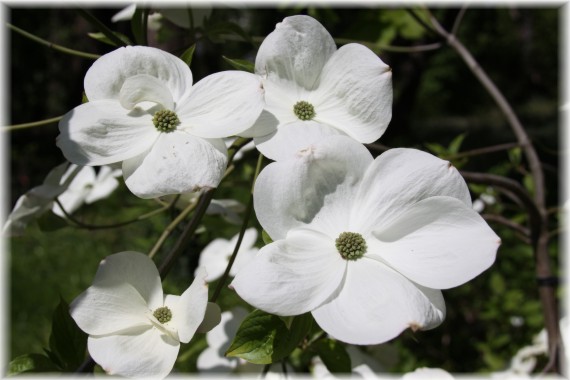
{"x": 32, "y": 124}
{"x": 480, "y": 151}
{"x": 171, "y": 228}
{"x": 244, "y": 224}
{"x": 375, "y": 47}
{"x": 102, "y": 27}
{"x": 144, "y": 27}
{"x": 107, "y": 226}
{"x": 52, "y": 45}
{"x": 493, "y": 218}
{"x": 187, "y": 233}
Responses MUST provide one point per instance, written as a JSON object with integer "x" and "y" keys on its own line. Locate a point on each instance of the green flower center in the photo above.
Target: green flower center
{"x": 163, "y": 314}
{"x": 350, "y": 245}
{"x": 304, "y": 110}
{"x": 165, "y": 120}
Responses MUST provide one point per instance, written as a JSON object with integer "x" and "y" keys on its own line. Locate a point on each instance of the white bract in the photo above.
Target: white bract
{"x": 86, "y": 187}
{"x": 425, "y": 373}
{"x": 38, "y": 200}
{"x": 213, "y": 358}
{"x": 314, "y": 90}
{"x": 216, "y": 254}
{"x": 134, "y": 329}
{"x": 144, "y": 112}
{"x": 364, "y": 245}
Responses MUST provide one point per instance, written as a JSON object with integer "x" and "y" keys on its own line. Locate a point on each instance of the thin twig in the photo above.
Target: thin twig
{"x": 32, "y": 124}
{"x": 420, "y": 21}
{"x": 187, "y": 233}
{"x": 391, "y": 48}
{"x": 144, "y": 28}
{"x": 87, "y": 226}
{"x": 458, "y": 19}
{"x": 244, "y": 224}
{"x": 52, "y": 45}
{"x": 480, "y": 151}
{"x": 168, "y": 230}
{"x": 523, "y": 231}
{"x": 514, "y": 188}
{"x": 102, "y": 27}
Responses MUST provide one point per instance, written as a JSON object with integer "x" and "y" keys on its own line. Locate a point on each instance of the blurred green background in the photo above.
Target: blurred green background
{"x": 436, "y": 99}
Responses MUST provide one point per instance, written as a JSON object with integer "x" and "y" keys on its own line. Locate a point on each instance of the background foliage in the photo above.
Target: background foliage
{"x": 436, "y": 100}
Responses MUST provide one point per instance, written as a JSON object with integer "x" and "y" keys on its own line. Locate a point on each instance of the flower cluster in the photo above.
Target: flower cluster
{"x": 364, "y": 244}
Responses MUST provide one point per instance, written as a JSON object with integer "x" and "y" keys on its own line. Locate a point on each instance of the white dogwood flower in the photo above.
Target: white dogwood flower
{"x": 39, "y": 199}
{"x": 87, "y": 187}
{"x": 144, "y": 111}
{"x": 364, "y": 245}
{"x": 134, "y": 329}
{"x": 314, "y": 90}
{"x": 216, "y": 254}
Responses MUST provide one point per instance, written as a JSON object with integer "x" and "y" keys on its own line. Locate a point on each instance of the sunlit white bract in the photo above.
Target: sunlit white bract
{"x": 125, "y": 338}
{"x": 350, "y": 89}
{"x": 126, "y": 88}
{"x": 412, "y": 209}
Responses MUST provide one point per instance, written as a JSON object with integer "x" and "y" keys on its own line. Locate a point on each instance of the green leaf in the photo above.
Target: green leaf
{"x": 436, "y": 149}
{"x": 67, "y": 341}
{"x": 188, "y": 54}
{"x": 334, "y": 355}
{"x": 265, "y": 237}
{"x": 137, "y": 25}
{"x": 84, "y": 98}
{"x": 264, "y": 338}
{"x": 102, "y": 38}
{"x": 240, "y": 64}
{"x": 31, "y": 363}
{"x": 49, "y": 222}
{"x": 515, "y": 156}
{"x": 215, "y": 30}
{"x": 528, "y": 183}
{"x": 455, "y": 144}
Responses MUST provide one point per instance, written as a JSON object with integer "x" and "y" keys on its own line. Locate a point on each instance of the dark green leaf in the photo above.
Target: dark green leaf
{"x": 214, "y": 31}
{"x": 67, "y": 341}
{"x": 31, "y": 363}
{"x": 515, "y": 156}
{"x": 266, "y": 238}
{"x": 240, "y": 64}
{"x": 102, "y": 38}
{"x": 456, "y": 144}
{"x": 49, "y": 222}
{"x": 264, "y": 338}
{"x": 136, "y": 26}
{"x": 188, "y": 54}
{"x": 436, "y": 149}
{"x": 334, "y": 355}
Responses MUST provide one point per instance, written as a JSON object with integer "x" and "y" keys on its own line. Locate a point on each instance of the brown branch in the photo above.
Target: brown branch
{"x": 522, "y": 232}
{"x": 187, "y": 233}
{"x": 539, "y": 231}
{"x": 480, "y": 151}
